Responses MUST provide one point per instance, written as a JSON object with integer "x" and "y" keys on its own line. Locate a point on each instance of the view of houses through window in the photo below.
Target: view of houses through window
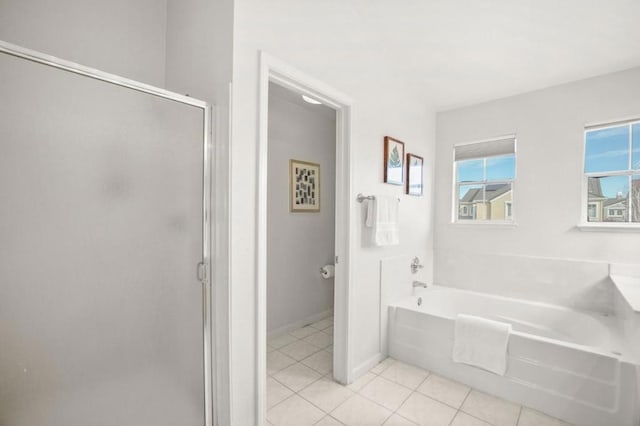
{"x": 612, "y": 170}
{"x": 484, "y": 180}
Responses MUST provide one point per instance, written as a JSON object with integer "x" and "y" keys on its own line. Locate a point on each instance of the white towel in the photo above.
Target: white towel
{"x": 481, "y": 342}
{"x": 382, "y": 216}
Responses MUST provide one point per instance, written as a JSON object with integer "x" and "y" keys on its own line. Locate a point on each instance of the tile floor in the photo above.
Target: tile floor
{"x": 301, "y": 391}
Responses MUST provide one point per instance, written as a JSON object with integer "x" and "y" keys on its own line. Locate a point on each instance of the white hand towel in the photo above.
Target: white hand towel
{"x": 481, "y": 342}
{"x": 382, "y": 216}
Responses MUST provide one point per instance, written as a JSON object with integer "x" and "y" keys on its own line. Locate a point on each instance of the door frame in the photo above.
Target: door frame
{"x": 203, "y": 272}
{"x": 276, "y": 71}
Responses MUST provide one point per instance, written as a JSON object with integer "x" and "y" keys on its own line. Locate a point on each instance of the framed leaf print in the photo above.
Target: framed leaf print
{"x": 414, "y": 174}
{"x": 393, "y": 161}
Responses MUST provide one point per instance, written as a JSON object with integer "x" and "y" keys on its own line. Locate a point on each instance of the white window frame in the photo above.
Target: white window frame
{"x": 584, "y": 223}
{"x": 456, "y": 186}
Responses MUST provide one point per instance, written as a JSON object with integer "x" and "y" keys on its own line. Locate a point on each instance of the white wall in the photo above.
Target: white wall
{"x": 531, "y": 260}
{"x": 299, "y": 243}
{"x": 119, "y": 36}
{"x": 343, "y": 55}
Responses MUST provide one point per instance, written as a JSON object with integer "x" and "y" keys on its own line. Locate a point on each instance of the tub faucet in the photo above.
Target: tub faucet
{"x": 419, "y": 284}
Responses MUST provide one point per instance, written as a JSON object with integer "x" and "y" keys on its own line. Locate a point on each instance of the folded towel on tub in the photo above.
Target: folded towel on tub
{"x": 481, "y": 342}
{"x": 382, "y": 216}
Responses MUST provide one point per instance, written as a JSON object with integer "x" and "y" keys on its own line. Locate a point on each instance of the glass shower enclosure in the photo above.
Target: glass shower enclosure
{"x": 104, "y": 296}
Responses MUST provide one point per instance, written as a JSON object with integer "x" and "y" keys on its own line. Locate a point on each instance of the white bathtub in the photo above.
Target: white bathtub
{"x": 570, "y": 364}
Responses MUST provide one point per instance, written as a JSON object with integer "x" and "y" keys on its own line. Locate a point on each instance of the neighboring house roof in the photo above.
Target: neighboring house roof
{"x": 492, "y": 191}
{"x": 595, "y": 189}
{"x": 610, "y": 202}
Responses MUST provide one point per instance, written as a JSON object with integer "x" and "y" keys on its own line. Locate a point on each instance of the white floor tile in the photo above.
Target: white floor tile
{"x": 281, "y": 341}
{"x": 270, "y": 349}
{"x": 494, "y": 410}
{"x": 303, "y": 332}
{"x": 322, "y": 324}
{"x": 426, "y": 411}
{"x": 359, "y": 411}
{"x": 276, "y": 392}
{"x": 444, "y": 390}
{"x": 299, "y": 350}
{"x": 326, "y": 394}
{"x": 530, "y": 417}
{"x": 329, "y": 331}
{"x": 294, "y": 411}
{"x": 405, "y": 374}
{"x": 321, "y": 361}
{"x": 319, "y": 339}
{"x": 383, "y": 365}
{"x": 463, "y": 419}
{"x": 361, "y": 382}
{"x": 397, "y": 420}
{"x": 297, "y": 376}
{"x": 386, "y": 393}
{"x": 329, "y": 421}
{"x": 329, "y": 348}
{"x": 277, "y": 361}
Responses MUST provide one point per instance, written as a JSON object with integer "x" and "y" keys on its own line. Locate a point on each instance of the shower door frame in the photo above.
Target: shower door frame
{"x": 203, "y": 268}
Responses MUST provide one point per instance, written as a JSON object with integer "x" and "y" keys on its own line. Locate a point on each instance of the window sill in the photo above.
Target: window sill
{"x": 485, "y": 224}
{"x": 608, "y": 227}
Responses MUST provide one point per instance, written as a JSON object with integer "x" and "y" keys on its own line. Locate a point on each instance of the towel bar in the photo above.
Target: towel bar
{"x": 362, "y": 197}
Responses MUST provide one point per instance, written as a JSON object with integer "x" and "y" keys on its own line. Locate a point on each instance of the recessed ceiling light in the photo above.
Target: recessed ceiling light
{"x": 310, "y": 100}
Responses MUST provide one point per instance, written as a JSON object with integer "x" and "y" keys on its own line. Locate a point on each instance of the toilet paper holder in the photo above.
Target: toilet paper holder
{"x": 327, "y": 271}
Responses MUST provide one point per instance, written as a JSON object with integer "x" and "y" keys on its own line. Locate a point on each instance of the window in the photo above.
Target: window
{"x": 484, "y": 175}
{"x": 612, "y": 173}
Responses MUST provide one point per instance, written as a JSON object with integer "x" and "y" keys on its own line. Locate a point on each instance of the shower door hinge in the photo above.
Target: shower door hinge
{"x": 202, "y": 272}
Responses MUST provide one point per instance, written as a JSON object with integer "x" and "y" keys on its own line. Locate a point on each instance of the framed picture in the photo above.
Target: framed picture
{"x": 393, "y": 161}
{"x": 414, "y": 174}
{"x": 304, "y": 186}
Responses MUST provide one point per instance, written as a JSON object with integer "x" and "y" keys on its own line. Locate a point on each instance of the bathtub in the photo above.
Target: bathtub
{"x": 573, "y": 365}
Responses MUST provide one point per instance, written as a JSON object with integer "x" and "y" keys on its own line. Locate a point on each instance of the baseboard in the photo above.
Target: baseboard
{"x": 364, "y": 367}
{"x": 300, "y": 323}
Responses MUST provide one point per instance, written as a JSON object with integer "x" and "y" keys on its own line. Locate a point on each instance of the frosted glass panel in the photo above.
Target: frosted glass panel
{"x": 101, "y": 231}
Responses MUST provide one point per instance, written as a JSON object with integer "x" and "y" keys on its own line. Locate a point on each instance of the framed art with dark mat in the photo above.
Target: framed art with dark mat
{"x": 304, "y": 186}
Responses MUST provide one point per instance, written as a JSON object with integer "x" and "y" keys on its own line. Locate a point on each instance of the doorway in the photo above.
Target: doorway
{"x": 277, "y": 72}
{"x": 300, "y": 242}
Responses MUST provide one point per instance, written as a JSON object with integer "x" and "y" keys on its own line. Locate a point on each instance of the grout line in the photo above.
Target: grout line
{"x": 465, "y": 397}
{"x": 519, "y": 414}
{"x": 454, "y": 417}
{"x": 332, "y": 418}
{"x": 402, "y": 403}
{"x": 269, "y": 409}
{"x": 311, "y": 402}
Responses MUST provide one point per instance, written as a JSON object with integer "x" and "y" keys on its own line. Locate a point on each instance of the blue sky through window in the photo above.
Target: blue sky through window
{"x": 497, "y": 168}
{"x": 614, "y": 186}
{"x": 607, "y": 150}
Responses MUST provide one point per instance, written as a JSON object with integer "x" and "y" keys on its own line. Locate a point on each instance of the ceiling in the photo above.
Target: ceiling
{"x": 280, "y": 92}
{"x": 461, "y": 52}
